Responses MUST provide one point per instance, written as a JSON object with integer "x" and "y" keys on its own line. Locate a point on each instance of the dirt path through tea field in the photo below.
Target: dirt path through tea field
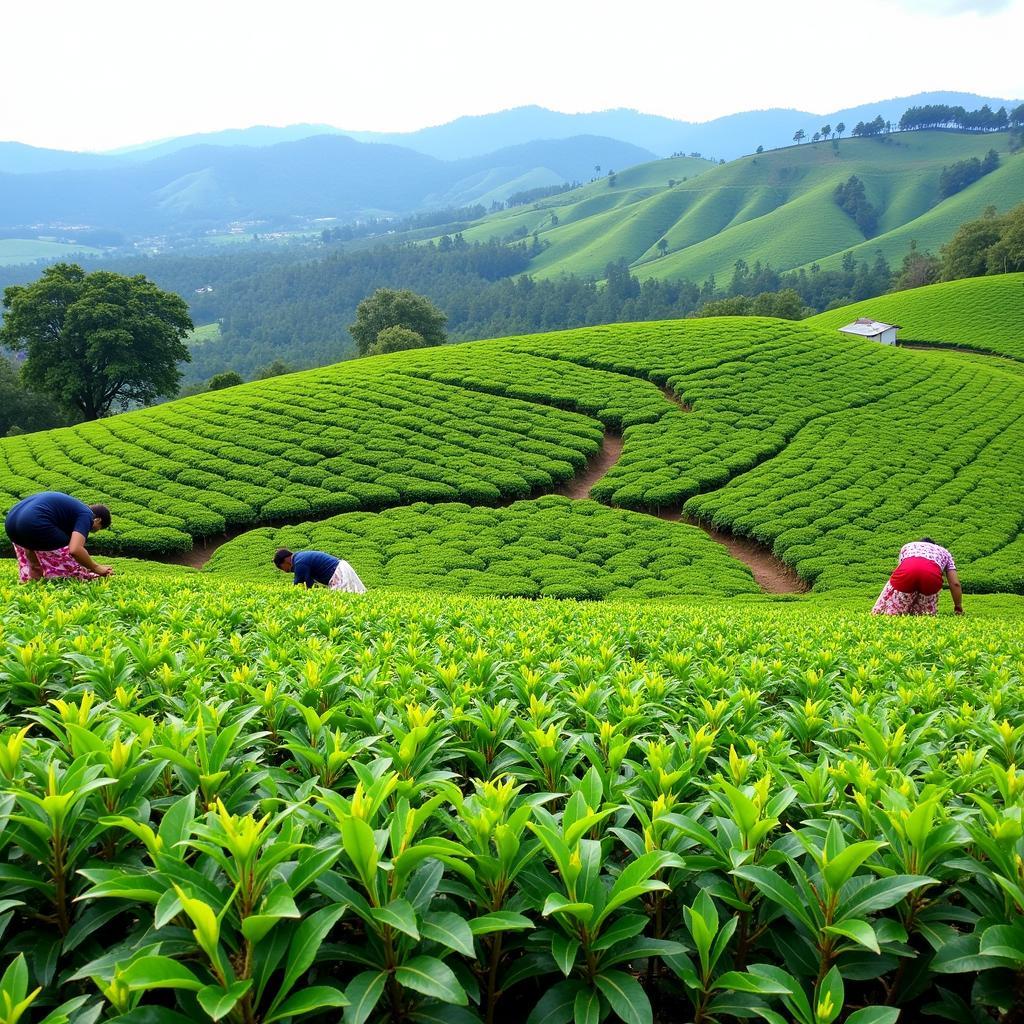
{"x": 597, "y": 467}
{"x": 771, "y": 574}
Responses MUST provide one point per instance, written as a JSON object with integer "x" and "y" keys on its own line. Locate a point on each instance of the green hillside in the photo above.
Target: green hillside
{"x": 27, "y": 250}
{"x": 825, "y": 448}
{"x": 984, "y": 313}
{"x": 777, "y": 207}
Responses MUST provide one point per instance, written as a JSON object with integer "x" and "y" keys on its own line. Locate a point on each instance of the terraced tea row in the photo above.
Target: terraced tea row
{"x": 306, "y": 445}
{"x": 551, "y": 547}
{"x": 221, "y": 801}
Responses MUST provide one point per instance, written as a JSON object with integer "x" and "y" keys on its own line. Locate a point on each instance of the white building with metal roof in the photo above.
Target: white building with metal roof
{"x": 865, "y": 327}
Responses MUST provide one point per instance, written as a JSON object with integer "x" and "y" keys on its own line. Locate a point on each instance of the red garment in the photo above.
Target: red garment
{"x": 917, "y": 576}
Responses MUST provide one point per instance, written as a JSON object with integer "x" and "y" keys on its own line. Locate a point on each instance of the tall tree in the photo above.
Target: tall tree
{"x": 826, "y": 131}
{"x": 389, "y": 307}
{"x": 799, "y": 135}
{"x": 93, "y": 340}
{"x": 840, "y": 128}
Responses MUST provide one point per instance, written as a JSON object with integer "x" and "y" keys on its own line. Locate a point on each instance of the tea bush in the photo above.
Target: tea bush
{"x": 550, "y": 547}
{"x": 222, "y": 801}
{"x": 304, "y": 445}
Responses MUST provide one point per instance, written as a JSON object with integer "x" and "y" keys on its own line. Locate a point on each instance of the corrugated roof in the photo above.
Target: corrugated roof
{"x": 867, "y": 328}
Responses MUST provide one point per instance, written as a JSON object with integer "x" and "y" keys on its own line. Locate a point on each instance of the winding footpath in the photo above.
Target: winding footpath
{"x": 771, "y": 574}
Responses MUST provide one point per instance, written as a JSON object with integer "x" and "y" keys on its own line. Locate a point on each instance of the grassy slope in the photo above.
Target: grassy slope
{"x": 28, "y": 250}
{"x": 204, "y": 333}
{"x": 776, "y": 207}
{"x": 984, "y": 313}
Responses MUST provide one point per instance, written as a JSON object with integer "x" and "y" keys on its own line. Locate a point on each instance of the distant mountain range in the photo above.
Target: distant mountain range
{"x": 293, "y": 175}
{"x": 323, "y": 176}
{"x": 723, "y": 138}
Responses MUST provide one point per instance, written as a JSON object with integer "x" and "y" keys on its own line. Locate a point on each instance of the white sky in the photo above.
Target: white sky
{"x": 106, "y": 73}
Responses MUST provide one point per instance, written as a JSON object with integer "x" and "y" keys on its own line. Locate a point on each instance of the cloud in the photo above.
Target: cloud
{"x": 944, "y": 7}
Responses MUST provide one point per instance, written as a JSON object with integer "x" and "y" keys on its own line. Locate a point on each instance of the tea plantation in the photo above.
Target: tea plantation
{"x": 551, "y": 547}
{"x": 223, "y": 801}
{"x": 983, "y": 313}
{"x": 831, "y": 450}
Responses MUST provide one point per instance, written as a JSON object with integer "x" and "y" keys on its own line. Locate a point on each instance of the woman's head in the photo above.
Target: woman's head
{"x": 100, "y": 516}
{"x": 926, "y": 540}
{"x": 283, "y": 559}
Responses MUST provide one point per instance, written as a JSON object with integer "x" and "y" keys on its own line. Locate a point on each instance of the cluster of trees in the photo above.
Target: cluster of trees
{"x": 23, "y": 410}
{"x": 992, "y": 244}
{"x": 965, "y": 172}
{"x": 93, "y": 341}
{"x": 932, "y": 115}
{"x": 941, "y": 115}
{"x": 825, "y": 132}
{"x": 396, "y": 320}
{"x": 533, "y": 195}
{"x": 851, "y": 198}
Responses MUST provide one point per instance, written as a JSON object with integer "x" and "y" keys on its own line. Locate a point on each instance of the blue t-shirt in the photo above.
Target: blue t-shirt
{"x": 313, "y": 567}
{"x": 45, "y": 521}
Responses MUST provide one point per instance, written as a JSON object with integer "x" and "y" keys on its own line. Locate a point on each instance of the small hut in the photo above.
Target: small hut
{"x": 865, "y": 327}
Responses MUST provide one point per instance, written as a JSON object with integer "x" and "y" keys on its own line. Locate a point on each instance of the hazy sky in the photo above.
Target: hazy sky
{"x": 112, "y": 72}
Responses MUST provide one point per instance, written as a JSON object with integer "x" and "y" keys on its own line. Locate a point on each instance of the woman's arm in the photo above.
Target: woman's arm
{"x": 76, "y": 548}
{"x": 956, "y": 591}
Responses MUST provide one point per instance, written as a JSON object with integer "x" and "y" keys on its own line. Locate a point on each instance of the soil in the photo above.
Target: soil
{"x": 771, "y": 574}
{"x": 579, "y": 486}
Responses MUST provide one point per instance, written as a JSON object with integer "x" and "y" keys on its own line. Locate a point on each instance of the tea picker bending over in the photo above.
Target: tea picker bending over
{"x": 49, "y": 531}
{"x": 913, "y": 589}
{"x": 310, "y": 567}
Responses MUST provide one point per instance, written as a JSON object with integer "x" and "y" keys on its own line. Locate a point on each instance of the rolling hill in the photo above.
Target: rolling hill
{"x": 982, "y": 313}
{"x": 775, "y": 207}
{"x": 821, "y": 447}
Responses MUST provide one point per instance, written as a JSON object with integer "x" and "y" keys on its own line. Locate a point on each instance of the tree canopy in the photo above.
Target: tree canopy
{"x": 389, "y": 307}
{"x": 91, "y": 340}
{"x": 396, "y": 339}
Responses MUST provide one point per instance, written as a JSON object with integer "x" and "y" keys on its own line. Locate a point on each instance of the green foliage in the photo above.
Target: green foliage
{"x": 957, "y": 177}
{"x": 851, "y": 198}
{"x": 358, "y": 436}
{"x": 551, "y": 547}
{"x": 93, "y": 340}
{"x": 390, "y": 308}
{"x": 228, "y": 379}
{"x": 785, "y": 304}
{"x": 984, "y": 313}
{"x": 396, "y": 339}
{"x": 989, "y": 245}
{"x": 829, "y": 449}
{"x": 231, "y": 802}
{"x": 21, "y": 410}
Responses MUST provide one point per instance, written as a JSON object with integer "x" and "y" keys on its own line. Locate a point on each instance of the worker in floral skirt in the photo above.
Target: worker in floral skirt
{"x": 913, "y": 589}
{"x": 49, "y": 531}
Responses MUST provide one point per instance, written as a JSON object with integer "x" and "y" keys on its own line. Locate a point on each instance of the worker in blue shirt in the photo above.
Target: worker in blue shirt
{"x": 312, "y": 567}
{"x": 49, "y": 531}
